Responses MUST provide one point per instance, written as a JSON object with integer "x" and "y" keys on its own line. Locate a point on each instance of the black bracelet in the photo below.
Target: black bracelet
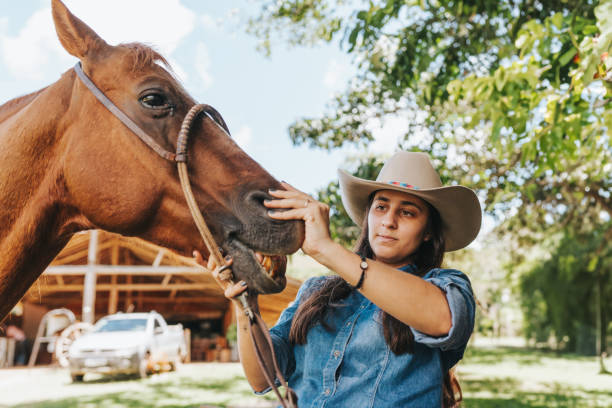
{"x": 363, "y": 265}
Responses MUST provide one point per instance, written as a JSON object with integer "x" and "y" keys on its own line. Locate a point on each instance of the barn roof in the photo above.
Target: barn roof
{"x": 135, "y": 274}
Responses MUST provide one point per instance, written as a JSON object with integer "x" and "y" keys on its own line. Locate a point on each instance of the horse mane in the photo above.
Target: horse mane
{"x": 15, "y": 104}
{"x": 143, "y": 56}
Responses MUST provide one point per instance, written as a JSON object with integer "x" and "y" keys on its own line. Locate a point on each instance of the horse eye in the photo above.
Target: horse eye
{"x": 154, "y": 100}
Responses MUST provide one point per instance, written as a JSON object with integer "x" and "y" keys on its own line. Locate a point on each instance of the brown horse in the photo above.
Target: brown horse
{"x": 67, "y": 164}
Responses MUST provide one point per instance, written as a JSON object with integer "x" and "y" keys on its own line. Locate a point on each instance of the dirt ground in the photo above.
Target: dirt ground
{"x": 193, "y": 385}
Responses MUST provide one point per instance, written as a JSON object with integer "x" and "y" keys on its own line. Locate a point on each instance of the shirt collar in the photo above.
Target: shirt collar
{"x": 410, "y": 268}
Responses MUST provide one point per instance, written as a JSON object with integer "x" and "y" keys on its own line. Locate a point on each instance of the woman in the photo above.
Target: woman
{"x": 386, "y": 330}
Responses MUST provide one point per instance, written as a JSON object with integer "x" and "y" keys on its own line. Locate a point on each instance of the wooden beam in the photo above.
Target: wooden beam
{"x": 113, "y": 295}
{"x": 159, "y": 257}
{"x": 124, "y": 270}
{"x": 62, "y": 260}
{"x": 132, "y": 286}
{"x": 89, "y": 286}
{"x": 113, "y": 299}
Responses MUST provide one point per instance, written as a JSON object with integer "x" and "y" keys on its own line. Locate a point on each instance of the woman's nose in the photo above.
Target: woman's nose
{"x": 389, "y": 221}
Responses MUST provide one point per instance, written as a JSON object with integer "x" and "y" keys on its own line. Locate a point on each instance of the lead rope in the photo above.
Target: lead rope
{"x": 289, "y": 400}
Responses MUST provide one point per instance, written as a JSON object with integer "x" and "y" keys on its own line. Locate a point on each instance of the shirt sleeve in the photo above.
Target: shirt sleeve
{"x": 283, "y": 349}
{"x": 456, "y": 285}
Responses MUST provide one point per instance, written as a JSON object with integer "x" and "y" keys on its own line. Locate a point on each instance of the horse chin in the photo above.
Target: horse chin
{"x": 265, "y": 276}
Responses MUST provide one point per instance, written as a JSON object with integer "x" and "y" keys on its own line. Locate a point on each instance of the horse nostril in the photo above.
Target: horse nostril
{"x": 257, "y": 198}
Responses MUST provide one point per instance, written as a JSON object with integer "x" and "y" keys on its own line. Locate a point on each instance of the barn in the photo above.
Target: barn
{"x": 99, "y": 273}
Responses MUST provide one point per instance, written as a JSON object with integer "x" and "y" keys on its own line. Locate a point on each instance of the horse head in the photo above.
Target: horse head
{"x": 116, "y": 182}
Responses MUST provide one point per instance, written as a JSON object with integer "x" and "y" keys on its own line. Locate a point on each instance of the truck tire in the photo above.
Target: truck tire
{"x": 176, "y": 361}
{"x": 77, "y": 378}
{"x": 143, "y": 365}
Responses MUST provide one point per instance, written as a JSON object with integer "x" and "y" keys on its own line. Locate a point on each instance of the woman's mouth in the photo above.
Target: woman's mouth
{"x": 385, "y": 238}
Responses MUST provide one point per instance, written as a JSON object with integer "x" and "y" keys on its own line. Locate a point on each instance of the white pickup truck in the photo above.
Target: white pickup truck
{"x": 137, "y": 343}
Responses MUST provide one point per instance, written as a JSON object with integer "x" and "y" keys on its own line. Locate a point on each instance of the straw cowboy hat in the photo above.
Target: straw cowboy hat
{"x": 412, "y": 172}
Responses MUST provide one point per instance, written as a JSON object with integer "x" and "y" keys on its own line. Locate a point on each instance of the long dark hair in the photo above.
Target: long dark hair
{"x": 398, "y": 335}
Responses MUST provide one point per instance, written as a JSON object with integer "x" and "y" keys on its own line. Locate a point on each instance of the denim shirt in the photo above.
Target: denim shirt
{"x": 352, "y": 366}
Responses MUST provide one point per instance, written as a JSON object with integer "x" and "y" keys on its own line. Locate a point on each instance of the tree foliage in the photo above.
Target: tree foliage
{"x": 506, "y": 87}
{"x": 561, "y": 296}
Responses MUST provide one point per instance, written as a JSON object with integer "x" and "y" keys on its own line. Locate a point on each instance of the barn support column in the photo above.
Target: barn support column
{"x": 113, "y": 295}
{"x": 89, "y": 286}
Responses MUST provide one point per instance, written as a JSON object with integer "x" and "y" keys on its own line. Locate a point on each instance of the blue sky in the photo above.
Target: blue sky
{"x": 207, "y": 46}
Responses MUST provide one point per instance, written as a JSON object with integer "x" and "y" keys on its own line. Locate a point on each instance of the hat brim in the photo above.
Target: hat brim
{"x": 458, "y": 206}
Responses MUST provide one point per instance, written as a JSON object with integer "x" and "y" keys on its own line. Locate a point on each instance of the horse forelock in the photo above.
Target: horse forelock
{"x": 143, "y": 56}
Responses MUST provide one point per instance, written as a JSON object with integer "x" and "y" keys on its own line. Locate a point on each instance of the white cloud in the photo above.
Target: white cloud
{"x": 208, "y": 22}
{"x": 202, "y": 64}
{"x": 4, "y": 21}
{"x": 161, "y": 23}
{"x": 243, "y": 136}
{"x": 33, "y": 47}
{"x": 336, "y": 75}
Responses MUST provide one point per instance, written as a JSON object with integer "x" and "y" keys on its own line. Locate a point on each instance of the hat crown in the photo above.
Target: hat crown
{"x": 411, "y": 168}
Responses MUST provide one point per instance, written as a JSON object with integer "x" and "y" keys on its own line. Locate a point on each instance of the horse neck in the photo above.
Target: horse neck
{"x": 34, "y": 224}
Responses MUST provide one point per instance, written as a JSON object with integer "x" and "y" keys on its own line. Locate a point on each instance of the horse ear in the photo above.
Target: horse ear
{"x": 76, "y": 37}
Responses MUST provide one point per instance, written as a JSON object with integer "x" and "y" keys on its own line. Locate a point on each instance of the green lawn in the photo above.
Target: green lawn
{"x": 520, "y": 378}
{"x": 490, "y": 377}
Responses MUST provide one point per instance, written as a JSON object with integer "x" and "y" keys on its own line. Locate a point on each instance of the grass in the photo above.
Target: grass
{"x": 521, "y": 378}
{"x": 490, "y": 377}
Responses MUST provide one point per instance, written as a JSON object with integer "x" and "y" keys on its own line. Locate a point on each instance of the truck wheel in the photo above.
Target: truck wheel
{"x": 77, "y": 377}
{"x": 143, "y": 366}
{"x": 176, "y": 362}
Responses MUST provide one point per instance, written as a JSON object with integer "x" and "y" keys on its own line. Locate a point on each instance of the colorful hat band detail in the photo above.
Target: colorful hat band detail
{"x": 398, "y": 183}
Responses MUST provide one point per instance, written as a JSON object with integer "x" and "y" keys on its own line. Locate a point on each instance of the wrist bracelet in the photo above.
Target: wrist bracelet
{"x": 363, "y": 265}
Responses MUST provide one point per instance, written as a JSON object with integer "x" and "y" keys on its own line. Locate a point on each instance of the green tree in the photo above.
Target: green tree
{"x": 562, "y": 299}
{"x": 511, "y": 97}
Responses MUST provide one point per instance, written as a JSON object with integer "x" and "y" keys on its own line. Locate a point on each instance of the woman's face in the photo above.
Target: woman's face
{"x": 396, "y": 226}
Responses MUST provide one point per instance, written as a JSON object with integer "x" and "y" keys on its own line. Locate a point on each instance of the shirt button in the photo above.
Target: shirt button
{"x": 348, "y": 324}
{"x": 362, "y": 306}
{"x": 337, "y": 353}
{"x": 327, "y": 391}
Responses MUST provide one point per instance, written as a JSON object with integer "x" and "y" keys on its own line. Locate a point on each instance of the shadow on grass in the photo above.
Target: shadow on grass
{"x": 520, "y": 355}
{"x": 167, "y": 394}
{"x": 506, "y": 392}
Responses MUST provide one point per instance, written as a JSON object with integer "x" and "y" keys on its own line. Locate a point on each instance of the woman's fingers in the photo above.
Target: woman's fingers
{"x": 235, "y": 290}
{"x": 294, "y": 202}
{"x": 296, "y": 214}
{"x": 222, "y": 275}
{"x": 199, "y": 258}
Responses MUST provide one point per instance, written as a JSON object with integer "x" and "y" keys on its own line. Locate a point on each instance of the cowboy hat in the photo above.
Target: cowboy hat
{"x": 412, "y": 172}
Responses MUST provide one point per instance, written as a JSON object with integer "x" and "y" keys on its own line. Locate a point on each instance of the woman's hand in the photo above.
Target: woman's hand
{"x": 300, "y": 206}
{"x": 231, "y": 290}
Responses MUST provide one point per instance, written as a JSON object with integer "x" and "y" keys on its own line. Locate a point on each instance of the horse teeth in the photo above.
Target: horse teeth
{"x": 267, "y": 263}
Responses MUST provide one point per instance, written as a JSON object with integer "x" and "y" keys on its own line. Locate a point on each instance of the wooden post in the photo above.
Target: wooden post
{"x": 113, "y": 295}
{"x": 128, "y": 279}
{"x": 89, "y": 286}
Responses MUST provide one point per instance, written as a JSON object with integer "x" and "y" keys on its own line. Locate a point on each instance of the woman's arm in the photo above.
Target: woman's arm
{"x": 408, "y": 298}
{"x": 254, "y": 375}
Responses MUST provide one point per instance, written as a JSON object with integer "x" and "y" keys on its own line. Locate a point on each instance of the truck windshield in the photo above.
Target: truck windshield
{"x": 122, "y": 325}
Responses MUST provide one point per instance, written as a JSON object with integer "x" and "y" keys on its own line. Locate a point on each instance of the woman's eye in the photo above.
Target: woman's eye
{"x": 154, "y": 101}
{"x": 406, "y": 213}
